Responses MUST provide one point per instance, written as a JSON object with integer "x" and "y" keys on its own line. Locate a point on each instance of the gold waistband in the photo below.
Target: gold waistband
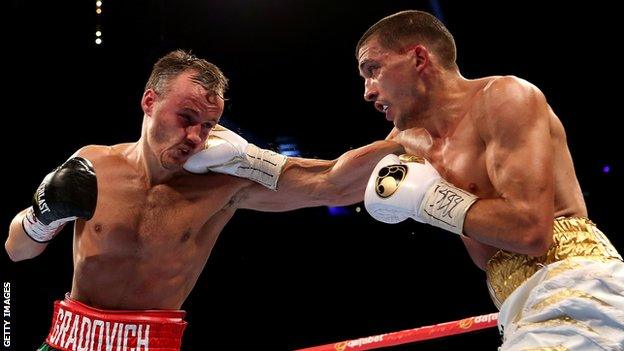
{"x": 572, "y": 237}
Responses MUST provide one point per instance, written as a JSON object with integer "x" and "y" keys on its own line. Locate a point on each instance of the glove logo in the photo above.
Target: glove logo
{"x": 389, "y": 179}
{"x": 40, "y": 199}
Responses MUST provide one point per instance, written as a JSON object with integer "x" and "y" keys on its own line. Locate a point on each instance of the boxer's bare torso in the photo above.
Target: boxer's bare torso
{"x": 460, "y": 157}
{"x": 146, "y": 244}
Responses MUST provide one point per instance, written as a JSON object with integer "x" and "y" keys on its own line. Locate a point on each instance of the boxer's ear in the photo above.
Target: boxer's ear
{"x": 421, "y": 56}
{"x": 148, "y": 100}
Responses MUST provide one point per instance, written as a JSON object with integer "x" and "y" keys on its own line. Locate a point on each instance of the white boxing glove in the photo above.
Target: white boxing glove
{"x": 410, "y": 187}
{"x": 229, "y": 153}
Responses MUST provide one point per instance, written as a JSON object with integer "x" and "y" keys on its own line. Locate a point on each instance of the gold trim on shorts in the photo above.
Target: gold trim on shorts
{"x": 572, "y": 237}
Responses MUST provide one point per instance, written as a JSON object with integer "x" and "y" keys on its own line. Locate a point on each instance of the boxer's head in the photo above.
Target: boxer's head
{"x": 183, "y": 100}
{"x": 410, "y": 28}
{"x": 395, "y": 57}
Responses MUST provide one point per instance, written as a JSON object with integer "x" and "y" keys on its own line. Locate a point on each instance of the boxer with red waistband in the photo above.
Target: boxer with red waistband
{"x": 148, "y": 213}
{"x": 78, "y": 326}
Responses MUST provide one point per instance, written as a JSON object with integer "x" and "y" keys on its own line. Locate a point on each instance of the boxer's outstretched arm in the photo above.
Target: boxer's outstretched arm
{"x": 519, "y": 161}
{"x": 310, "y": 182}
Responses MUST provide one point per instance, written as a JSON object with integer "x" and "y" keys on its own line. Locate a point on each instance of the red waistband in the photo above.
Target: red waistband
{"x": 78, "y": 327}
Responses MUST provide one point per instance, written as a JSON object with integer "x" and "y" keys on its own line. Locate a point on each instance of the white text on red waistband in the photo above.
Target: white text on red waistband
{"x": 82, "y": 333}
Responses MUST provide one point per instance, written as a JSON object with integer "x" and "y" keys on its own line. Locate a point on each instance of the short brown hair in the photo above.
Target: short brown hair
{"x": 176, "y": 62}
{"x": 407, "y": 27}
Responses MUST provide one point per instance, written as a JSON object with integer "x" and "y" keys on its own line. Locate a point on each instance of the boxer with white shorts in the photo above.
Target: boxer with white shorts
{"x": 490, "y": 162}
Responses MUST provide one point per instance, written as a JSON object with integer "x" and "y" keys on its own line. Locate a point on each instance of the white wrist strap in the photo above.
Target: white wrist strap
{"x": 38, "y": 231}
{"x": 445, "y": 206}
{"x": 265, "y": 166}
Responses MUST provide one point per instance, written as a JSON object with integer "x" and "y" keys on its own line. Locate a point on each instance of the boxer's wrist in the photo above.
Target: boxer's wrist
{"x": 265, "y": 166}
{"x": 37, "y": 230}
{"x": 445, "y": 205}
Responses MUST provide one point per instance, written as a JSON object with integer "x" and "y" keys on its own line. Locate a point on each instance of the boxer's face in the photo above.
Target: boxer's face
{"x": 390, "y": 82}
{"x": 181, "y": 119}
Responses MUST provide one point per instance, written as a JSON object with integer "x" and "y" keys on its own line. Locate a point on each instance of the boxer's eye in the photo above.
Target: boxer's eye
{"x": 371, "y": 69}
{"x": 186, "y": 119}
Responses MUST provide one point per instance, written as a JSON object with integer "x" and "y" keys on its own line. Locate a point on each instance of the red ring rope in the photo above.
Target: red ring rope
{"x": 465, "y": 325}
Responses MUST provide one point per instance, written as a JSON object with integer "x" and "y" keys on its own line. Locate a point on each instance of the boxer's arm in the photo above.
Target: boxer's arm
{"x": 311, "y": 182}
{"x": 19, "y": 246}
{"x": 67, "y": 193}
{"x": 518, "y": 158}
{"x": 480, "y": 253}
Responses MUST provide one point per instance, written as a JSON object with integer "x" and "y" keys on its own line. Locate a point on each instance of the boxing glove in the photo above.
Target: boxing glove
{"x": 229, "y": 153}
{"x": 410, "y": 187}
{"x": 67, "y": 193}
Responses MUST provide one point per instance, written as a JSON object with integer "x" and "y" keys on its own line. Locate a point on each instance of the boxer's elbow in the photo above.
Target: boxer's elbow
{"x": 537, "y": 236}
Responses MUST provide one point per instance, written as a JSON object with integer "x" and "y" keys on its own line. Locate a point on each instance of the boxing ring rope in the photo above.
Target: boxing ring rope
{"x": 441, "y": 330}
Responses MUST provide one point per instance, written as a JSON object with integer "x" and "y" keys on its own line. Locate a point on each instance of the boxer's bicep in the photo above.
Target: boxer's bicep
{"x": 518, "y": 145}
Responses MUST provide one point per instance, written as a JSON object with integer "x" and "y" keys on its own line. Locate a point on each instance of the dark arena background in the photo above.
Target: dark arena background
{"x": 283, "y": 281}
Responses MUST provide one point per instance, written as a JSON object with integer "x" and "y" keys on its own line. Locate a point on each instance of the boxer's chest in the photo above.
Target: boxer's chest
{"x": 461, "y": 160}
{"x": 159, "y": 217}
